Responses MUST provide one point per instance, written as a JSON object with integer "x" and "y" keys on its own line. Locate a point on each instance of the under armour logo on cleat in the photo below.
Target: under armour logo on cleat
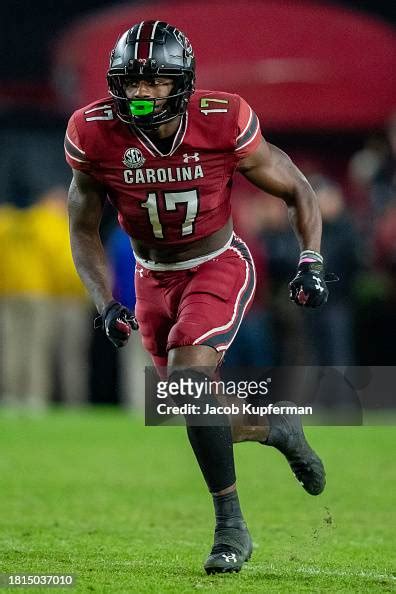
{"x": 230, "y": 557}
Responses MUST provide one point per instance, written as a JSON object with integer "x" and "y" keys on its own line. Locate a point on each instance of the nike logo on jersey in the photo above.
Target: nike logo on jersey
{"x": 163, "y": 175}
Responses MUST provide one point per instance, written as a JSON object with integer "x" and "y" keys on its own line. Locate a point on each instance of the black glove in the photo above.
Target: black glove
{"x": 118, "y": 322}
{"x": 308, "y": 287}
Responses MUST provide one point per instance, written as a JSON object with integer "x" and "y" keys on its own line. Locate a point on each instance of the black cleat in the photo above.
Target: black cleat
{"x": 287, "y": 435}
{"x": 232, "y": 547}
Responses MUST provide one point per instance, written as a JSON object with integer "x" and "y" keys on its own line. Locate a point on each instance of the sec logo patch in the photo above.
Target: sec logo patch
{"x": 133, "y": 158}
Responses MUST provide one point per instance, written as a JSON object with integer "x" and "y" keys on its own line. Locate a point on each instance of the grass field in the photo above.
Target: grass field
{"x": 123, "y": 507}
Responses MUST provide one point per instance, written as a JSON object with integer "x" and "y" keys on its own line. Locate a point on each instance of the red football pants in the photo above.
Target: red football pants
{"x": 201, "y": 305}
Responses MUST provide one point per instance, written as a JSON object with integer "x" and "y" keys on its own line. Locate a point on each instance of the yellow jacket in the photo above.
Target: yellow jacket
{"x": 35, "y": 256}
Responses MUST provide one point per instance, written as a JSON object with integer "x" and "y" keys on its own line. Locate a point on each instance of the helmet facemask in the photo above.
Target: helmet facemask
{"x": 151, "y": 49}
{"x": 149, "y": 113}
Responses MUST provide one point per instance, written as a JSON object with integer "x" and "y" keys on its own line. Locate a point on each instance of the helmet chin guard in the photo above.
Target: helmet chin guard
{"x": 152, "y": 49}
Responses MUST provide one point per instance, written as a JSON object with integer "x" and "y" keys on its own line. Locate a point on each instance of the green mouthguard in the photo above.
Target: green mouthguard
{"x": 141, "y": 107}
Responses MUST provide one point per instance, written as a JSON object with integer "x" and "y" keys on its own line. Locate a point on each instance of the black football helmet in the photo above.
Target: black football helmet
{"x": 151, "y": 49}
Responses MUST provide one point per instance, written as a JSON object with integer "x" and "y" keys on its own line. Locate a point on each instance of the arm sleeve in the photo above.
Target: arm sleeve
{"x": 248, "y": 132}
{"x": 74, "y": 150}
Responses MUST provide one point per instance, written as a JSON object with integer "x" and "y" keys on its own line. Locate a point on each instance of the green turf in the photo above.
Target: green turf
{"x": 123, "y": 507}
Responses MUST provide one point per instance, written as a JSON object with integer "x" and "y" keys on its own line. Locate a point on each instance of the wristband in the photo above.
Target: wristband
{"x": 309, "y": 256}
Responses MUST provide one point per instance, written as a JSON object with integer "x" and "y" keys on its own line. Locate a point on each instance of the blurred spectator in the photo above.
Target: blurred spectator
{"x": 304, "y": 336}
{"x": 363, "y": 167}
{"x": 43, "y": 308}
{"x": 289, "y": 344}
{"x": 72, "y": 311}
{"x": 331, "y": 328}
{"x": 385, "y": 240}
{"x": 377, "y": 296}
{"x": 36, "y": 143}
{"x": 253, "y": 344}
{"x": 383, "y": 188}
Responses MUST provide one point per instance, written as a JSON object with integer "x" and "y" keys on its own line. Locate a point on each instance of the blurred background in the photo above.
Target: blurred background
{"x": 321, "y": 78}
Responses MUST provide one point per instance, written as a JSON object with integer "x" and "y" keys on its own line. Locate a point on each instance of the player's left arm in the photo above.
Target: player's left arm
{"x": 271, "y": 170}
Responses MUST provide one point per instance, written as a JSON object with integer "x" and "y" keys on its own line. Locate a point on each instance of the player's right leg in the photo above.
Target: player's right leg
{"x": 211, "y": 441}
{"x": 212, "y": 306}
{"x": 212, "y": 445}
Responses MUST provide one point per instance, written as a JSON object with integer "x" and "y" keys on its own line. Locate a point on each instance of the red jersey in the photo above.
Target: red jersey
{"x": 173, "y": 198}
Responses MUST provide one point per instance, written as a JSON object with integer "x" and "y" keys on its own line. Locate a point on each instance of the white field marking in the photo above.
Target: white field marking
{"x": 330, "y": 572}
{"x": 346, "y": 573}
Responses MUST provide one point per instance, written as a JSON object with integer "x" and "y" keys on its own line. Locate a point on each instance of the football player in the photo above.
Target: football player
{"x": 164, "y": 154}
